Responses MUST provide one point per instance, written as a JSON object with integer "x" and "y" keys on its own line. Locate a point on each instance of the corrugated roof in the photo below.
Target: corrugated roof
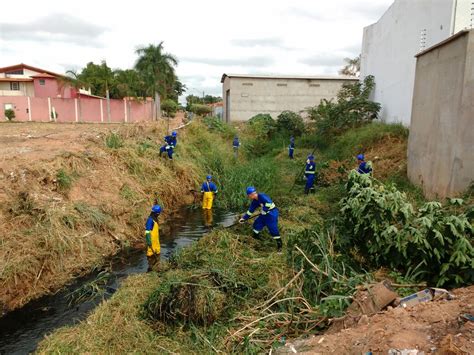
{"x": 279, "y": 76}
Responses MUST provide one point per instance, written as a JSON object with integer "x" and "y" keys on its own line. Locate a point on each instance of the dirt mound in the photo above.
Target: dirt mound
{"x": 432, "y": 327}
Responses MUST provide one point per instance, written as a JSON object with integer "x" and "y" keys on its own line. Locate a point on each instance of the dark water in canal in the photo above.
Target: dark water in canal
{"x": 23, "y": 329}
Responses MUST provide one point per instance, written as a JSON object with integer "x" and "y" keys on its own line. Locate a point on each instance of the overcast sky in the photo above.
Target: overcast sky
{"x": 208, "y": 37}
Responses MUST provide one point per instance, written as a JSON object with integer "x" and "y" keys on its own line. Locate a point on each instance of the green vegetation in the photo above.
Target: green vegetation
{"x": 290, "y": 123}
{"x": 113, "y": 140}
{"x": 9, "y": 114}
{"x": 230, "y": 293}
{"x": 385, "y": 229}
{"x": 200, "y": 110}
{"x": 351, "y": 109}
{"x": 64, "y": 180}
{"x": 169, "y": 107}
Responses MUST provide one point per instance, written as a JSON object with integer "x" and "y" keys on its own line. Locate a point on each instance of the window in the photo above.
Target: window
{"x": 15, "y": 72}
{"x": 314, "y": 85}
{"x": 14, "y": 85}
{"x": 42, "y": 82}
{"x": 281, "y": 84}
{"x": 247, "y": 84}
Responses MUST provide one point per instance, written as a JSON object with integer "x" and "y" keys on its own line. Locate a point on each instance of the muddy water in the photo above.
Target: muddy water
{"x": 23, "y": 329}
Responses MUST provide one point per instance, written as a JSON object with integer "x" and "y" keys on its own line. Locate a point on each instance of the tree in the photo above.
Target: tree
{"x": 99, "y": 77}
{"x": 352, "y": 67}
{"x": 127, "y": 83}
{"x": 352, "y": 108}
{"x": 291, "y": 122}
{"x": 201, "y": 110}
{"x": 157, "y": 70}
{"x": 169, "y": 107}
{"x": 209, "y": 99}
{"x": 178, "y": 89}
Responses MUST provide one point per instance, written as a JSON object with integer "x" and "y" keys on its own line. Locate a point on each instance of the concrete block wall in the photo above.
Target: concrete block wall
{"x": 39, "y": 109}
{"x": 441, "y": 141}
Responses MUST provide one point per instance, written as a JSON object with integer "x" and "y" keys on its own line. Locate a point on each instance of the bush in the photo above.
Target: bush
{"x": 9, "y": 114}
{"x": 113, "y": 140}
{"x": 290, "y": 122}
{"x": 383, "y": 227}
{"x": 216, "y": 124}
{"x": 263, "y": 124}
{"x": 169, "y": 108}
{"x": 352, "y": 108}
{"x": 201, "y": 110}
{"x": 64, "y": 180}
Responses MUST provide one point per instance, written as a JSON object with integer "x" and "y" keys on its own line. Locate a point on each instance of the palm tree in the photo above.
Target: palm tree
{"x": 352, "y": 67}
{"x": 157, "y": 70}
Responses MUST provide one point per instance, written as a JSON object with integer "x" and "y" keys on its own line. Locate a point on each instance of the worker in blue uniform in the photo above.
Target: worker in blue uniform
{"x": 170, "y": 145}
{"x": 291, "y": 147}
{"x": 310, "y": 174}
{"x": 152, "y": 238}
{"x": 208, "y": 190}
{"x": 268, "y": 216}
{"x": 236, "y": 146}
{"x": 364, "y": 167}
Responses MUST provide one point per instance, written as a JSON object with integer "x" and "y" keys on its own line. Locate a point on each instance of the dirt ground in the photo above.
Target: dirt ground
{"x": 45, "y": 238}
{"x": 433, "y": 327}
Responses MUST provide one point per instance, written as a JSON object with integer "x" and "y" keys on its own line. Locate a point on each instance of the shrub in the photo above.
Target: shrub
{"x": 262, "y": 124}
{"x": 380, "y": 223}
{"x": 9, "y": 114}
{"x": 352, "y": 108}
{"x": 216, "y": 124}
{"x": 169, "y": 108}
{"x": 113, "y": 140}
{"x": 64, "y": 180}
{"x": 201, "y": 110}
{"x": 53, "y": 114}
{"x": 291, "y": 122}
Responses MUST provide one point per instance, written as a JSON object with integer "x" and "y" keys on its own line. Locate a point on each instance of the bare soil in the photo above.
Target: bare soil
{"x": 50, "y": 234}
{"x": 433, "y": 327}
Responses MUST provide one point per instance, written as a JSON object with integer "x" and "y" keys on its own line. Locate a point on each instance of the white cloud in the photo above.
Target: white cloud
{"x": 209, "y": 37}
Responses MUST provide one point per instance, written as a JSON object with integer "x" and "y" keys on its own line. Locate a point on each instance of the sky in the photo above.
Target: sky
{"x": 209, "y": 37}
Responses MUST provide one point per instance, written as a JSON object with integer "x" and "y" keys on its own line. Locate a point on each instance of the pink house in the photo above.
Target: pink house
{"x": 25, "y": 80}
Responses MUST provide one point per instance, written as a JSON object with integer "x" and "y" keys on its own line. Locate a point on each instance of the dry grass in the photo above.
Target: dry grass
{"x": 56, "y": 229}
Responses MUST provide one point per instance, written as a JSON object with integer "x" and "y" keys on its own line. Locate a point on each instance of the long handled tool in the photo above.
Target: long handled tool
{"x": 301, "y": 172}
{"x": 248, "y": 219}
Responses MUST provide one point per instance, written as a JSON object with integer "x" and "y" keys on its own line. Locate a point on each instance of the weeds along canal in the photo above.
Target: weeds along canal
{"x": 22, "y": 329}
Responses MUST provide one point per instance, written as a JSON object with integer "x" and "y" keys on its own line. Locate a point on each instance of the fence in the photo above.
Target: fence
{"x": 76, "y": 110}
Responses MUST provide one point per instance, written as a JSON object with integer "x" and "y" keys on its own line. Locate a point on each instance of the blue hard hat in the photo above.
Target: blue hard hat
{"x": 209, "y": 177}
{"x": 251, "y": 190}
{"x": 156, "y": 209}
{"x": 360, "y": 157}
{"x": 311, "y": 157}
{"x": 174, "y": 134}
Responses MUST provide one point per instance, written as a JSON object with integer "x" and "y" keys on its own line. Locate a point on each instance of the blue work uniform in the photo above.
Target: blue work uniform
{"x": 291, "y": 148}
{"x": 268, "y": 216}
{"x": 310, "y": 173}
{"x": 365, "y": 168}
{"x": 235, "y": 146}
{"x": 236, "y": 143}
{"x": 169, "y": 146}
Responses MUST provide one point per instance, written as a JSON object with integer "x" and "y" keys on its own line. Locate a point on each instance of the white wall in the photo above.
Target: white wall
{"x": 389, "y": 47}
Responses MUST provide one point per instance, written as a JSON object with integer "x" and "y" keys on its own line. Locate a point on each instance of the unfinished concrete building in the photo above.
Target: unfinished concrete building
{"x": 248, "y": 95}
